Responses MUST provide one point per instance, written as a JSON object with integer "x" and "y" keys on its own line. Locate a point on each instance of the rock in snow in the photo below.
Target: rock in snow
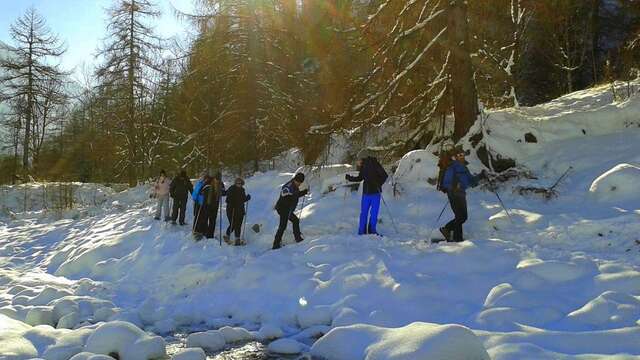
{"x": 414, "y": 341}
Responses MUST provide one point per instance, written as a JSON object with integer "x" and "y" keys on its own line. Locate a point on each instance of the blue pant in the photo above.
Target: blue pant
{"x": 370, "y": 203}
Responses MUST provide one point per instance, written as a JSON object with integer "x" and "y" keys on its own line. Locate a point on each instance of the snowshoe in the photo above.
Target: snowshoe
{"x": 197, "y": 236}
{"x": 240, "y": 242}
{"x": 227, "y": 239}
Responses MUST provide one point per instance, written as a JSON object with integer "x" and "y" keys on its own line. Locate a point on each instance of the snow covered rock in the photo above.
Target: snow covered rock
{"x": 610, "y": 308}
{"x": 68, "y": 321}
{"x": 317, "y": 315}
{"x": 414, "y": 341}
{"x": 40, "y": 315}
{"x": 270, "y": 331}
{"x": 190, "y": 354}
{"x": 286, "y": 346}
{"x": 235, "y": 334}
{"x": 556, "y": 271}
{"x": 89, "y": 356}
{"x": 618, "y": 184}
{"x": 209, "y": 340}
{"x": 126, "y": 340}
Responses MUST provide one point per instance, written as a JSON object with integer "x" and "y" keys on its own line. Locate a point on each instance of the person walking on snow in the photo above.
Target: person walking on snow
{"x": 212, "y": 191}
{"x": 161, "y": 191}
{"x": 373, "y": 176}
{"x": 286, "y": 205}
{"x": 457, "y": 179}
{"x": 180, "y": 189}
{"x": 196, "y": 195}
{"x": 236, "y": 198}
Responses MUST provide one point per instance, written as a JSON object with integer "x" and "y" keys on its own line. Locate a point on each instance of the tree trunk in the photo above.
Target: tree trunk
{"x": 465, "y": 99}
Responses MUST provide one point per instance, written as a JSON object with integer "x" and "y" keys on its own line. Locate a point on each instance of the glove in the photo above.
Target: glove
{"x": 248, "y": 197}
{"x": 304, "y": 192}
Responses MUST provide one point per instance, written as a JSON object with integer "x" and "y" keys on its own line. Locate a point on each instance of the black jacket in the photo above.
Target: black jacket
{"x": 212, "y": 193}
{"x": 180, "y": 187}
{"x": 236, "y": 197}
{"x": 288, "y": 200}
{"x": 372, "y": 174}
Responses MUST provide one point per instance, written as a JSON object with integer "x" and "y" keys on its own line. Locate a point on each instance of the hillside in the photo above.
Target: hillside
{"x": 554, "y": 278}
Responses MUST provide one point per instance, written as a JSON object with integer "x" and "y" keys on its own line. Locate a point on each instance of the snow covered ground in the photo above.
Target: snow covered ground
{"x": 553, "y": 279}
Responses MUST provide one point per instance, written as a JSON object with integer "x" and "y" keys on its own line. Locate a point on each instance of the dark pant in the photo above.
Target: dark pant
{"x": 206, "y": 220}
{"x": 179, "y": 207}
{"x": 285, "y": 217}
{"x": 458, "y": 203}
{"x": 235, "y": 216}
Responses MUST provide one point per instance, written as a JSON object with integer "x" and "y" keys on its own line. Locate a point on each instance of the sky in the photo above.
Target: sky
{"x": 81, "y": 24}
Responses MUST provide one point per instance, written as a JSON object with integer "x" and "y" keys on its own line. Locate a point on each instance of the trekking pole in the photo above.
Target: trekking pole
{"x": 220, "y": 212}
{"x": 393, "y": 222}
{"x": 244, "y": 224}
{"x": 561, "y": 178}
{"x": 437, "y": 220}
{"x": 493, "y": 189}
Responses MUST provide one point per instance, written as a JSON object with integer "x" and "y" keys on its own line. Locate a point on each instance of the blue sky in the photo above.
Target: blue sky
{"x": 81, "y": 23}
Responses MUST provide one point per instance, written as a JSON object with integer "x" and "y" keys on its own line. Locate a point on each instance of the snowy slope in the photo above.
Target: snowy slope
{"x": 558, "y": 279}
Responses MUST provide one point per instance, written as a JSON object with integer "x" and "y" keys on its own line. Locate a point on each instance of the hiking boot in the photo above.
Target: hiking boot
{"x": 226, "y": 239}
{"x": 299, "y": 239}
{"x": 446, "y": 233}
{"x": 239, "y": 242}
{"x": 276, "y": 246}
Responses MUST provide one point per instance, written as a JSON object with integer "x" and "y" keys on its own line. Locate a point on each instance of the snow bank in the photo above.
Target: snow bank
{"x": 414, "y": 341}
{"x": 620, "y": 183}
{"x": 286, "y": 346}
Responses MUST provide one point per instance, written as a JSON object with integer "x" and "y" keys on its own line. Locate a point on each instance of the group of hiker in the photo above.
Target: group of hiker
{"x": 454, "y": 179}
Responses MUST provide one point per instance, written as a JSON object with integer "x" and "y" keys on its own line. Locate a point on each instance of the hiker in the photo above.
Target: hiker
{"x": 236, "y": 198}
{"x": 179, "y": 190}
{"x": 161, "y": 192}
{"x": 212, "y": 197}
{"x": 286, "y": 205}
{"x": 196, "y": 195}
{"x": 455, "y": 182}
{"x": 373, "y": 176}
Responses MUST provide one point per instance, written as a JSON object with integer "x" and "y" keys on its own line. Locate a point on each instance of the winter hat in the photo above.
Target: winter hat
{"x": 364, "y": 153}
{"x": 299, "y": 177}
{"x": 240, "y": 181}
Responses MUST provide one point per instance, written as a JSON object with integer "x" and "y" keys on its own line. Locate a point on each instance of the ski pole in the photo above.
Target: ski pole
{"x": 437, "y": 220}
{"x": 393, "y": 222}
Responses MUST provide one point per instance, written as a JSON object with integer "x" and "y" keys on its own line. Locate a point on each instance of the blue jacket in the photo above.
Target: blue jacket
{"x": 458, "y": 178}
{"x": 196, "y": 194}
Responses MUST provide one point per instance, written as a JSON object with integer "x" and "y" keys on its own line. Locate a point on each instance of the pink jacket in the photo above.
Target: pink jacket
{"x": 161, "y": 186}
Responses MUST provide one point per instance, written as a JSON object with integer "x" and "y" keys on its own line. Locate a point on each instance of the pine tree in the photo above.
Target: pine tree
{"x": 130, "y": 52}
{"x": 27, "y": 72}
